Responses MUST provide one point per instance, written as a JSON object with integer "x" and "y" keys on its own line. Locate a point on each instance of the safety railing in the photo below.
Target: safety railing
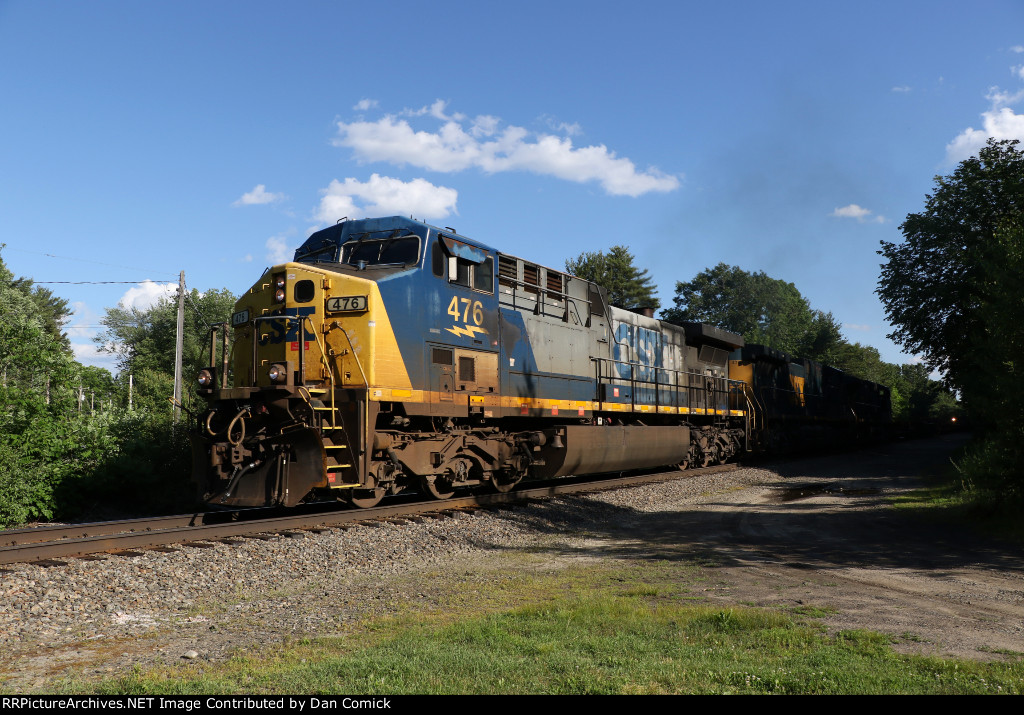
{"x": 666, "y": 387}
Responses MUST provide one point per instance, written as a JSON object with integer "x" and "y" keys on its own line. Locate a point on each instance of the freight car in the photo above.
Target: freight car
{"x": 391, "y": 354}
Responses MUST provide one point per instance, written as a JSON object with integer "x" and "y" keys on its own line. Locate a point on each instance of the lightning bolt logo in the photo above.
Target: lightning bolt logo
{"x": 470, "y": 331}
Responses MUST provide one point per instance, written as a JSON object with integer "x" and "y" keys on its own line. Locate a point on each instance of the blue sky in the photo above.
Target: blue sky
{"x": 140, "y": 139}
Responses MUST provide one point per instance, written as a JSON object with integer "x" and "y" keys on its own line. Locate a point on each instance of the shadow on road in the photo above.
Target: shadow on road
{"x": 822, "y": 512}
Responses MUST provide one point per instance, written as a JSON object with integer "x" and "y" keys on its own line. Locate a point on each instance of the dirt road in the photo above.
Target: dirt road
{"x": 820, "y": 534}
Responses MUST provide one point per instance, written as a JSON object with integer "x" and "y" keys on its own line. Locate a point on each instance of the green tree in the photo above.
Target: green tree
{"x": 953, "y": 292}
{"x": 937, "y": 284}
{"x": 765, "y": 310}
{"x": 628, "y": 287}
{"x": 143, "y": 340}
{"x": 39, "y": 442}
{"x": 51, "y": 310}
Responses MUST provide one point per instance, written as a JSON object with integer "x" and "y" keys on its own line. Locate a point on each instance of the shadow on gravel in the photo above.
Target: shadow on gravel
{"x": 856, "y": 527}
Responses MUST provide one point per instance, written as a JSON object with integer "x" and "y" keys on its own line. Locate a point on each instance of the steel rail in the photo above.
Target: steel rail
{"x": 53, "y": 532}
{"x": 182, "y": 534}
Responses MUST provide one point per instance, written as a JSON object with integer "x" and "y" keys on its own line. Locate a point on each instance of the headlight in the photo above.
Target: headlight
{"x": 277, "y": 373}
{"x": 279, "y": 295}
{"x": 205, "y": 378}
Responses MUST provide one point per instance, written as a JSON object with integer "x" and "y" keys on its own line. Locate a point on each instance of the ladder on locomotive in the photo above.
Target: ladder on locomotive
{"x": 340, "y": 461}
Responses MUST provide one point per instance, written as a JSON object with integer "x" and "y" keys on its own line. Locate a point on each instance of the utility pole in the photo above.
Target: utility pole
{"x": 179, "y": 347}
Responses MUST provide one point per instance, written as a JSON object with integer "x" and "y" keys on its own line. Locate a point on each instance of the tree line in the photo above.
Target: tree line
{"x": 62, "y": 456}
{"x": 954, "y": 290}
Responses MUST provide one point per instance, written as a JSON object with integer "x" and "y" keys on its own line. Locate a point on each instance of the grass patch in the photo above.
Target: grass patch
{"x": 632, "y": 628}
{"x": 953, "y": 498}
{"x": 1002, "y": 651}
{"x": 813, "y": 611}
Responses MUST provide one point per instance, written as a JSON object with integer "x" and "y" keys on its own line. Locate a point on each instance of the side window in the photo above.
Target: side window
{"x": 483, "y": 276}
{"x": 463, "y": 271}
{"x": 478, "y": 276}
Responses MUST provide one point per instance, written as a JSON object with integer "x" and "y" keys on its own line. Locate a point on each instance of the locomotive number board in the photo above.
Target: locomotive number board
{"x": 346, "y": 303}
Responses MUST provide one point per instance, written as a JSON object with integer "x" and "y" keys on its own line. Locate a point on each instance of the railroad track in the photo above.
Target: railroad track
{"x": 46, "y": 545}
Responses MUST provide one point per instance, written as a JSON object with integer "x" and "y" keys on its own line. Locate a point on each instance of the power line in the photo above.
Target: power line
{"x": 80, "y": 260}
{"x": 188, "y": 298}
{"x": 80, "y": 283}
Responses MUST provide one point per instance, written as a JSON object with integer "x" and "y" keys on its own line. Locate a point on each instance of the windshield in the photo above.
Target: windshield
{"x": 381, "y": 252}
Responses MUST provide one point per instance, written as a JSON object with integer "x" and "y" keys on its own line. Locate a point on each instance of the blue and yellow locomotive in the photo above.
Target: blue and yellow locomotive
{"x": 391, "y": 354}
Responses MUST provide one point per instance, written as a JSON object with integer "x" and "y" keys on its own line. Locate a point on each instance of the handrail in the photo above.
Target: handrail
{"x": 366, "y": 403}
{"x": 256, "y": 343}
{"x": 326, "y": 362}
{"x": 727, "y": 385}
{"x": 542, "y": 291}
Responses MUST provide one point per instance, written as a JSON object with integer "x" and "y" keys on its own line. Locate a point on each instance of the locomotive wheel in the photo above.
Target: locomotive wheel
{"x": 721, "y": 451}
{"x": 439, "y": 487}
{"x": 366, "y": 498}
{"x": 504, "y": 482}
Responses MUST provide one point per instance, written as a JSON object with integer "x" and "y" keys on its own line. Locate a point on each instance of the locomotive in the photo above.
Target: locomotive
{"x": 391, "y": 354}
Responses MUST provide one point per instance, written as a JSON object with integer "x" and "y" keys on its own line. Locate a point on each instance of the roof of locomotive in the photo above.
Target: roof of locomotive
{"x": 346, "y": 230}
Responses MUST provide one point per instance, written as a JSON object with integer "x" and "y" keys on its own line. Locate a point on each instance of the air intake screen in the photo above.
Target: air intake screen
{"x": 467, "y": 369}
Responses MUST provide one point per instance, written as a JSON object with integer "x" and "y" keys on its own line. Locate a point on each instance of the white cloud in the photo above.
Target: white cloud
{"x": 363, "y": 104}
{"x": 482, "y": 143}
{"x": 856, "y": 326}
{"x": 258, "y": 195}
{"x": 89, "y": 354}
{"x": 1017, "y": 48}
{"x": 278, "y": 250}
{"x": 901, "y": 88}
{"x": 81, "y": 329}
{"x": 82, "y": 317}
{"x": 382, "y": 196}
{"x": 146, "y": 294}
{"x": 572, "y": 130}
{"x": 999, "y": 122}
{"x": 1000, "y": 99}
{"x": 857, "y": 212}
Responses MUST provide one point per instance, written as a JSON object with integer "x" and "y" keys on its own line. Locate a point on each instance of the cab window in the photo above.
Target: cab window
{"x": 478, "y": 276}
